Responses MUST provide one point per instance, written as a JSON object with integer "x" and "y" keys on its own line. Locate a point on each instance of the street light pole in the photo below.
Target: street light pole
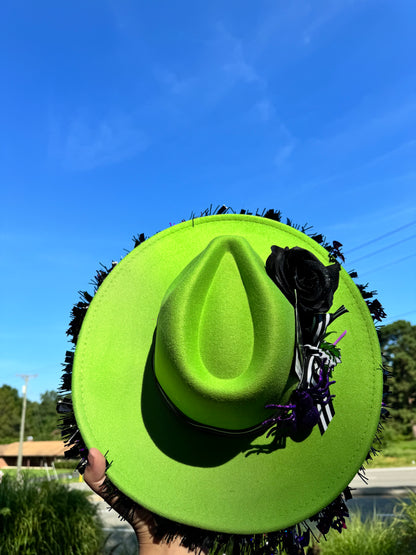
{"x": 26, "y": 377}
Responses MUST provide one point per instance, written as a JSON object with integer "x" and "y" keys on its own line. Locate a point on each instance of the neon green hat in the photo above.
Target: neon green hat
{"x": 207, "y": 375}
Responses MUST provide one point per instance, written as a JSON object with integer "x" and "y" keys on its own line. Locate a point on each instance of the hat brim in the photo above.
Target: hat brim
{"x": 195, "y": 477}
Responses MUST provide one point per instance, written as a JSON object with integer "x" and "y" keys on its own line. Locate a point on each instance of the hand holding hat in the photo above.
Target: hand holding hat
{"x": 141, "y": 520}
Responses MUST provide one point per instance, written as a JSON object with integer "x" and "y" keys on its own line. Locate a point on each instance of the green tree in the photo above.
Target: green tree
{"x": 11, "y": 406}
{"x": 398, "y": 344}
{"x": 42, "y": 420}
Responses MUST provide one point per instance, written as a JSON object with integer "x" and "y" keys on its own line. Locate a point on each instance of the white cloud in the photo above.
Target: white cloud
{"x": 284, "y": 152}
{"x": 239, "y": 68}
{"x": 234, "y": 61}
{"x": 288, "y": 143}
{"x": 84, "y": 144}
{"x": 320, "y": 15}
{"x": 264, "y": 110}
{"x": 223, "y": 69}
{"x": 175, "y": 84}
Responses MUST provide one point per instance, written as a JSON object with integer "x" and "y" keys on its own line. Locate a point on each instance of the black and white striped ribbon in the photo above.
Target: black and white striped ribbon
{"x": 310, "y": 359}
{"x": 317, "y": 360}
{"x": 321, "y": 322}
{"x": 326, "y": 414}
{"x": 298, "y": 345}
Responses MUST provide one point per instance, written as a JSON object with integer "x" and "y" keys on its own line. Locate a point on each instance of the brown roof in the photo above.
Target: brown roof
{"x": 34, "y": 449}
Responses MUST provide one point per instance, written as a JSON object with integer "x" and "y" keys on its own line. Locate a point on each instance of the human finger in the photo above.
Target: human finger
{"x": 94, "y": 474}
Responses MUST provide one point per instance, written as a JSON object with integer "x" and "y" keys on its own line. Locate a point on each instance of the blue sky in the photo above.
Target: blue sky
{"x": 118, "y": 117}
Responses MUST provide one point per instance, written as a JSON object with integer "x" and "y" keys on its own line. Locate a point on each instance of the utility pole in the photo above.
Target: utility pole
{"x": 26, "y": 377}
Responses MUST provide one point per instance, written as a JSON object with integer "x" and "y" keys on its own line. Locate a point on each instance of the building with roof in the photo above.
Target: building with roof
{"x": 35, "y": 453}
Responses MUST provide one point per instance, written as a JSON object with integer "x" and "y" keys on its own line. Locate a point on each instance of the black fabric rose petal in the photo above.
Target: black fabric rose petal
{"x": 299, "y": 270}
{"x": 277, "y": 270}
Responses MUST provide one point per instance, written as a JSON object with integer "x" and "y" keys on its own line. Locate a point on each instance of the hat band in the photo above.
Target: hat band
{"x": 308, "y": 362}
{"x": 213, "y": 429}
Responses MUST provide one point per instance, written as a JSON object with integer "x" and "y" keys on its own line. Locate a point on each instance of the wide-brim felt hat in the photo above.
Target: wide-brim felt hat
{"x": 184, "y": 343}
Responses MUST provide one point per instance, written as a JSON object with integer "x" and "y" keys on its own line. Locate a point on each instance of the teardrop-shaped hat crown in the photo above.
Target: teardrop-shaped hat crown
{"x": 225, "y": 338}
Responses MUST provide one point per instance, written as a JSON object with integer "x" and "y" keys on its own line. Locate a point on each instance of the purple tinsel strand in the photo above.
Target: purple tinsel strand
{"x": 281, "y": 417}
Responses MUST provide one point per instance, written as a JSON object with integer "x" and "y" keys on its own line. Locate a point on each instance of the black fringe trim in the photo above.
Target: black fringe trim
{"x": 196, "y": 539}
{"x": 292, "y": 540}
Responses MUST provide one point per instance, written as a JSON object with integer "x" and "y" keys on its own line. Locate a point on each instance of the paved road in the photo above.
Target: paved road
{"x": 386, "y": 489}
{"x": 120, "y": 537}
{"x": 379, "y": 497}
{"x": 392, "y": 479}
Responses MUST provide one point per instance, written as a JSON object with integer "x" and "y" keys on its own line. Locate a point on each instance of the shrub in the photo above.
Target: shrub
{"x": 375, "y": 536}
{"x": 66, "y": 464}
{"x": 369, "y": 537}
{"x": 39, "y": 517}
{"x": 404, "y": 526}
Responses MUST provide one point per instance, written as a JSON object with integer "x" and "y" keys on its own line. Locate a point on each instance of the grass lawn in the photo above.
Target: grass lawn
{"x": 397, "y": 453}
{"x": 66, "y": 475}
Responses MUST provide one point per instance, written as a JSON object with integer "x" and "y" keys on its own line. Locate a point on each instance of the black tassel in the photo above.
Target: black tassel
{"x": 138, "y": 239}
{"x": 222, "y": 209}
{"x": 376, "y": 310}
{"x": 291, "y": 540}
{"x": 364, "y": 293}
{"x": 275, "y": 215}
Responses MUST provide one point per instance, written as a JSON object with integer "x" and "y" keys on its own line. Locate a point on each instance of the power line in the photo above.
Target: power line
{"x": 382, "y": 236}
{"x": 402, "y": 314}
{"x": 383, "y": 249}
{"x": 388, "y": 264}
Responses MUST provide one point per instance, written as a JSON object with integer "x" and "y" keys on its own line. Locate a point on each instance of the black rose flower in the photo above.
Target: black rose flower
{"x": 300, "y": 270}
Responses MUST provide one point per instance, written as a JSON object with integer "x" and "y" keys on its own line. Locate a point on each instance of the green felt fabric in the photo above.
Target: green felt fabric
{"x": 221, "y": 350}
{"x": 196, "y": 477}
